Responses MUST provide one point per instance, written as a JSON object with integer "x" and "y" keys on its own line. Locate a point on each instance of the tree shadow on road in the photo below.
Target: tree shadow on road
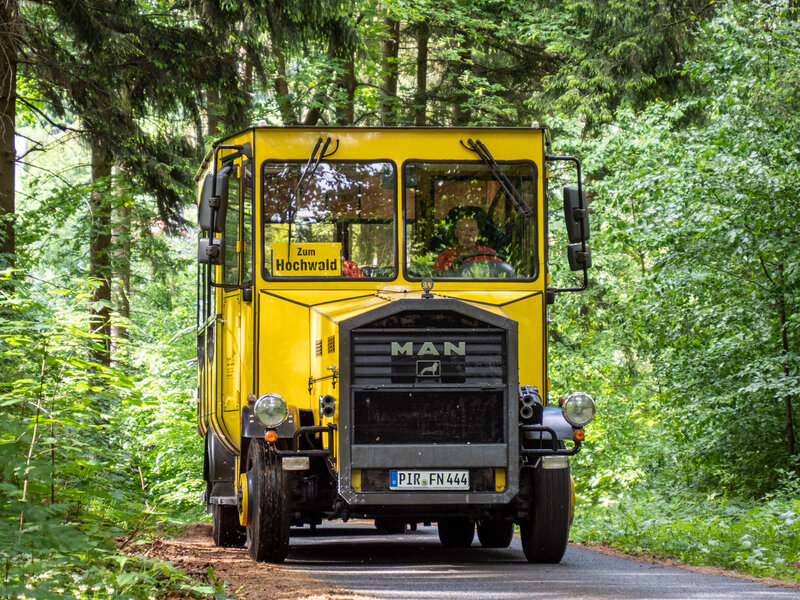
{"x": 365, "y": 545}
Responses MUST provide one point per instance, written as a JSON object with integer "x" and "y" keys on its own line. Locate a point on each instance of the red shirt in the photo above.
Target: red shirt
{"x": 350, "y": 269}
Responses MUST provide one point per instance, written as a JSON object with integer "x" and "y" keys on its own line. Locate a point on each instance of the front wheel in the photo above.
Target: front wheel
{"x": 268, "y": 516}
{"x": 546, "y": 533}
{"x": 456, "y": 533}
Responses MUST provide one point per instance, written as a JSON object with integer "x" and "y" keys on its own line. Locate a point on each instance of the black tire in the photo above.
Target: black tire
{"x": 456, "y": 533}
{"x": 546, "y": 533}
{"x": 227, "y": 531}
{"x": 495, "y": 534}
{"x": 268, "y": 516}
{"x": 390, "y": 526}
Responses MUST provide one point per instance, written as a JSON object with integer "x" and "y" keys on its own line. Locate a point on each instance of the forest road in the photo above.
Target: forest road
{"x": 355, "y": 557}
{"x": 352, "y": 561}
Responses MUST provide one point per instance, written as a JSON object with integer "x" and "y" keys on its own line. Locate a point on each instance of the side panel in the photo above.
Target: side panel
{"x": 283, "y": 349}
{"x": 325, "y": 371}
{"x": 229, "y": 367}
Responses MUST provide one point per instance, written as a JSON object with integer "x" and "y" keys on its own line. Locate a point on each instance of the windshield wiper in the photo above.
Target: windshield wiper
{"x": 510, "y": 190}
{"x": 307, "y": 173}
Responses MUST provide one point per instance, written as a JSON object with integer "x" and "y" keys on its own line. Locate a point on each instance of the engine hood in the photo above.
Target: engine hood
{"x": 345, "y": 304}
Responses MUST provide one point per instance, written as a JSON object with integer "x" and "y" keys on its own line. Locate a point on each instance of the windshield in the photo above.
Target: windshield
{"x": 460, "y": 223}
{"x": 339, "y": 222}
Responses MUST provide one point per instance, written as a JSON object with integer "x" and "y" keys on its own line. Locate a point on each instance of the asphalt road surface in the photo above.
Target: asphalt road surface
{"x": 355, "y": 557}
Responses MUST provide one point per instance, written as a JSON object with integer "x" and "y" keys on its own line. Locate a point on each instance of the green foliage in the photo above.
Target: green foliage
{"x": 489, "y": 61}
{"x": 615, "y": 54}
{"x": 685, "y": 116}
{"x": 100, "y": 479}
{"x": 760, "y": 539}
{"x": 711, "y": 211}
{"x": 120, "y": 73}
{"x": 162, "y": 352}
{"x": 72, "y": 475}
{"x": 689, "y": 333}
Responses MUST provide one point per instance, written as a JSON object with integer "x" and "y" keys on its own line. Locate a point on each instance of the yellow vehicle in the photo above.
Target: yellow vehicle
{"x": 372, "y": 320}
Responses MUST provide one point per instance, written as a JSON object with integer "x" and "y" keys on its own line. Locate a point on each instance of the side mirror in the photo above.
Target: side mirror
{"x": 222, "y": 197}
{"x": 204, "y": 209}
{"x": 214, "y": 207}
{"x": 210, "y": 251}
{"x": 575, "y": 213}
{"x": 579, "y": 259}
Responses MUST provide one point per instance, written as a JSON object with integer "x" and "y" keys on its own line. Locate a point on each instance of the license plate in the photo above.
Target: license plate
{"x": 428, "y": 480}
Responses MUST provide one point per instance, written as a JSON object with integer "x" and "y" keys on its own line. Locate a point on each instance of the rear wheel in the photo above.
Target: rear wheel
{"x": 390, "y": 526}
{"x": 495, "y": 534}
{"x": 268, "y": 516}
{"x": 545, "y": 534}
{"x": 227, "y": 531}
{"x": 456, "y": 533}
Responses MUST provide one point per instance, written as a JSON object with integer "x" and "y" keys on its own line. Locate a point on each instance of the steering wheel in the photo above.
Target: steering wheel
{"x": 483, "y": 264}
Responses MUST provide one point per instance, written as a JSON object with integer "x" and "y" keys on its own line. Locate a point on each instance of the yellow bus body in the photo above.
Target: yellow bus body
{"x": 266, "y": 334}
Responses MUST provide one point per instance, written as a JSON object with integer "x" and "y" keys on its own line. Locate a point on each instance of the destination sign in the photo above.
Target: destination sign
{"x": 302, "y": 259}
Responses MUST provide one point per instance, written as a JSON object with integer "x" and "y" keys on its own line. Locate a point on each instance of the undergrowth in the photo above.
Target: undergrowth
{"x": 756, "y": 538}
{"x": 99, "y": 574}
{"x": 89, "y": 454}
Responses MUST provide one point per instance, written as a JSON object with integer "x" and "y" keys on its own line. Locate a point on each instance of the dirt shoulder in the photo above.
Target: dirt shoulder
{"x": 194, "y": 552}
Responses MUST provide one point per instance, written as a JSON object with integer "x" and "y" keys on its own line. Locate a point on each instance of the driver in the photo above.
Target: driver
{"x": 466, "y": 232}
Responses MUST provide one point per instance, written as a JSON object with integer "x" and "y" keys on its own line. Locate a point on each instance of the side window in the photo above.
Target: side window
{"x": 205, "y": 294}
{"x": 202, "y": 305}
{"x": 230, "y": 265}
{"x": 247, "y": 222}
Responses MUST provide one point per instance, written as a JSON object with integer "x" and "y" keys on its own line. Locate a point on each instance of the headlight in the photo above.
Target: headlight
{"x": 270, "y": 410}
{"x": 578, "y": 409}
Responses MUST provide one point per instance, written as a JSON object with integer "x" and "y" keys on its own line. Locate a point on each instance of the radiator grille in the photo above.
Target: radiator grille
{"x": 454, "y": 417}
{"x": 428, "y": 377}
{"x": 402, "y": 356}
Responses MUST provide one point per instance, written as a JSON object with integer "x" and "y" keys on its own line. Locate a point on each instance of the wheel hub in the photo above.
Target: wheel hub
{"x": 241, "y": 500}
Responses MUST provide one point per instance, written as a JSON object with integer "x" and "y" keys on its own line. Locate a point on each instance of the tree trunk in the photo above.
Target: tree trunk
{"x": 421, "y": 95}
{"x": 213, "y": 110}
{"x": 282, "y": 90}
{"x": 100, "y": 255}
{"x": 121, "y": 283}
{"x": 9, "y": 45}
{"x": 787, "y": 400}
{"x": 312, "y": 116}
{"x": 346, "y": 113}
{"x": 390, "y": 47}
{"x": 248, "y": 84}
{"x": 461, "y": 112}
{"x": 341, "y": 53}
